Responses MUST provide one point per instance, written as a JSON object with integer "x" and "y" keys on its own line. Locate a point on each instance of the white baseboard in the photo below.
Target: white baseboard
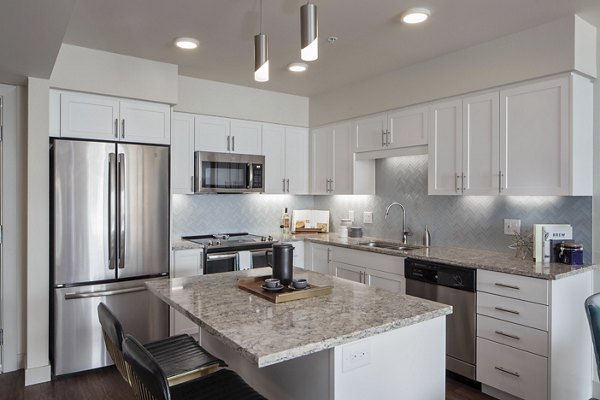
{"x": 37, "y": 375}
{"x": 596, "y": 388}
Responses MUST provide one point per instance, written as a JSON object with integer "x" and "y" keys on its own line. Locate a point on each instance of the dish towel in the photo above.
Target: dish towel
{"x": 243, "y": 260}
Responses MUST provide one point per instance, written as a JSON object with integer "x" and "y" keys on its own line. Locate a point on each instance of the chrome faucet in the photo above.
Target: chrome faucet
{"x": 404, "y": 232}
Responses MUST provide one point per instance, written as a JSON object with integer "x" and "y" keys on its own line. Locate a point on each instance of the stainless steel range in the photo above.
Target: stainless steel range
{"x": 222, "y": 251}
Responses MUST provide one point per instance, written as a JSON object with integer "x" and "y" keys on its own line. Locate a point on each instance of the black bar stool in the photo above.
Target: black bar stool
{"x": 180, "y": 357}
{"x": 150, "y": 383}
{"x": 592, "y": 309}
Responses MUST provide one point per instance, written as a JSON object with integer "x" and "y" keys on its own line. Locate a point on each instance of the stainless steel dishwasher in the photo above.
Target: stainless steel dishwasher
{"x": 454, "y": 286}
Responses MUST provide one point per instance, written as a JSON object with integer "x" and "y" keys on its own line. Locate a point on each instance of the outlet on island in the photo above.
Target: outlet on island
{"x": 356, "y": 355}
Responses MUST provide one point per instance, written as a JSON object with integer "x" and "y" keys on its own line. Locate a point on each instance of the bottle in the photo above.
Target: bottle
{"x": 426, "y": 237}
{"x": 285, "y": 221}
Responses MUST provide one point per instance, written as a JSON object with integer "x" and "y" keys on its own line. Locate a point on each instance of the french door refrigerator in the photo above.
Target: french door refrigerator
{"x": 110, "y": 233}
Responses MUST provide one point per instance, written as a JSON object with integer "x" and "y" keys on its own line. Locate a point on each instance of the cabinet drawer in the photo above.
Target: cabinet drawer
{"x": 514, "y": 371}
{"x": 369, "y": 259}
{"x": 513, "y": 310}
{"x": 521, "y": 337}
{"x": 515, "y": 286}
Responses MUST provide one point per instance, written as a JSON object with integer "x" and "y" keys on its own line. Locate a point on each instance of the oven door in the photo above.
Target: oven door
{"x": 227, "y": 173}
{"x": 226, "y": 262}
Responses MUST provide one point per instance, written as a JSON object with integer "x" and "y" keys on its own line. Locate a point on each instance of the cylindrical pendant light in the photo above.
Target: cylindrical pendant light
{"x": 261, "y": 54}
{"x": 309, "y": 32}
{"x": 261, "y": 58}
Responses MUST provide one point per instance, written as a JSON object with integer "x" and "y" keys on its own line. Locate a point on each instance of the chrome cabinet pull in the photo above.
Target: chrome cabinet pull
{"x": 507, "y": 310}
{"x": 500, "y": 176}
{"x": 332, "y": 186}
{"x": 192, "y": 185}
{"x": 457, "y": 186}
{"x": 112, "y": 229}
{"x": 513, "y": 373}
{"x": 233, "y": 143}
{"x": 122, "y": 129}
{"x": 507, "y": 286}
{"x": 328, "y": 256}
{"x": 283, "y": 185}
{"x": 85, "y": 295}
{"x": 508, "y": 335}
{"x": 116, "y": 128}
{"x": 389, "y": 138}
{"x": 383, "y": 141}
{"x": 287, "y": 181}
{"x": 463, "y": 182}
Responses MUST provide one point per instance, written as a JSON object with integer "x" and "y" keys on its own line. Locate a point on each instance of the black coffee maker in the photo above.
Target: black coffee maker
{"x": 283, "y": 262}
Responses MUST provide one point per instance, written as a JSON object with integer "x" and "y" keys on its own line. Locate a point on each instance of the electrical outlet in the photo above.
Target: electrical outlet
{"x": 512, "y": 226}
{"x": 368, "y": 217}
{"x": 351, "y": 215}
{"x": 356, "y": 355}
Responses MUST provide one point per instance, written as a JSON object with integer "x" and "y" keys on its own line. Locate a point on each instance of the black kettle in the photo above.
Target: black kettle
{"x": 283, "y": 266}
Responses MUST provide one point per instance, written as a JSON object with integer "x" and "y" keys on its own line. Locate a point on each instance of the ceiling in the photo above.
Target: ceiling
{"x": 372, "y": 41}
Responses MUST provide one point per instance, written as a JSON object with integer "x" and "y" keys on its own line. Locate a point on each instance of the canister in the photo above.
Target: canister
{"x": 343, "y": 231}
{"x": 570, "y": 253}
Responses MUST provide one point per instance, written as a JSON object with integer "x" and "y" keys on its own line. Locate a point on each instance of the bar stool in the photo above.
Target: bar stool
{"x": 180, "y": 357}
{"x": 592, "y": 309}
{"x": 150, "y": 383}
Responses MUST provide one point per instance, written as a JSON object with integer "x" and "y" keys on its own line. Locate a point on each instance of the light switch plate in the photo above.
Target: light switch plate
{"x": 368, "y": 217}
{"x": 512, "y": 226}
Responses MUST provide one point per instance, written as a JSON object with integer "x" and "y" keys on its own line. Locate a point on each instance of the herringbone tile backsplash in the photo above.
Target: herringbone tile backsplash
{"x": 463, "y": 221}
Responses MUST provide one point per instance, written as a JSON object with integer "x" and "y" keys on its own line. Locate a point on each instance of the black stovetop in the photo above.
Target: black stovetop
{"x": 239, "y": 241}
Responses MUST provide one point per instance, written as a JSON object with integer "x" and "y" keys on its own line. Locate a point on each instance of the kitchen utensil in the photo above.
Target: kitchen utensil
{"x": 271, "y": 282}
{"x": 283, "y": 267}
{"x": 299, "y": 283}
{"x": 571, "y": 253}
{"x": 355, "y": 231}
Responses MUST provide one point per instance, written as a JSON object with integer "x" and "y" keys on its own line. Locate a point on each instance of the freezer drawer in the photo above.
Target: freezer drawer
{"x": 78, "y": 343}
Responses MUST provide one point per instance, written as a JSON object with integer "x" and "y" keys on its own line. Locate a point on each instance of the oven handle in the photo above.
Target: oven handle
{"x": 214, "y": 257}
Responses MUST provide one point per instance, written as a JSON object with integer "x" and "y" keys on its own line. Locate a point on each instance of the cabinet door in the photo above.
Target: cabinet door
{"x": 182, "y": 153}
{"x": 320, "y": 258}
{"x": 407, "y": 127}
{"x": 320, "y": 160}
{"x": 246, "y": 137}
{"x": 211, "y": 134}
{"x": 480, "y": 145}
{"x": 296, "y": 160}
{"x": 534, "y": 133}
{"x": 347, "y": 271}
{"x": 273, "y": 148}
{"x": 87, "y": 116}
{"x": 445, "y": 141}
{"x": 370, "y": 133}
{"x": 383, "y": 280}
{"x": 185, "y": 263}
{"x": 145, "y": 122}
{"x": 342, "y": 157}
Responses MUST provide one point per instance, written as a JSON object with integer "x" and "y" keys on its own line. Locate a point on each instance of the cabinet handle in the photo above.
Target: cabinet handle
{"x": 513, "y": 373}
{"x": 287, "y": 181}
{"x": 283, "y": 185}
{"x": 233, "y": 143}
{"x": 457, "y": 186}
{"x": 383, "y": 141}
{"x": 389, "y": 138}
{"x": 192, "y": 185}
{"x": 500, "y": 176}
{"x": 328, "y": 256}
{"x": 123, "y": 129}
{"x": 507, "y": 310}
{"x": 332, "y": 186}
{"x": 116, "y": 128}
{"x": 507, "y": 286}
{"x": 508, "y": 335}
{"x": 228, "y": 142}
{"x": 463, "y": 182}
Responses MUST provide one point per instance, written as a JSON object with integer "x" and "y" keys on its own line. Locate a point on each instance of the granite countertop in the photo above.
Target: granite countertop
{"x": 268, "y": 333}
{"x": 470, "y": 258}
{"x": 181, "y": 244}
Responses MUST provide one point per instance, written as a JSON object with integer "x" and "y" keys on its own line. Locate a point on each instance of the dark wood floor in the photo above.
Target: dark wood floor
{"x": 107, "y": 384}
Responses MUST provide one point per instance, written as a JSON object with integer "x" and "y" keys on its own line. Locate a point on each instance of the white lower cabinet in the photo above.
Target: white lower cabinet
{"x": 533, "y": 340}
{"x": 318, "y": 258}
{"x": 185, "y": 263}
{"x": 349, "y": 272}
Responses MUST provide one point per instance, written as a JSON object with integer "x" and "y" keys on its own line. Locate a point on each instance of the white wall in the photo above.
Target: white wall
{"x": 95, "y": 71}
{"x": 38, "y": 240}
{"x": 200, "y": 96}
{"x": 536, "y": 52}
{"x": 13, "y": 225}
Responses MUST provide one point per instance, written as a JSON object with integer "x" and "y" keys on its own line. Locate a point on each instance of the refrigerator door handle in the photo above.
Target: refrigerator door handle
{"x": 103, "y": 293}
{"x": 112, "y": 217}
{"x": 121, "y": 184}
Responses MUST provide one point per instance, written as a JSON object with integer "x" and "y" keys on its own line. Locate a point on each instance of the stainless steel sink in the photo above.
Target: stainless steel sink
{"x": 390, "y": 246}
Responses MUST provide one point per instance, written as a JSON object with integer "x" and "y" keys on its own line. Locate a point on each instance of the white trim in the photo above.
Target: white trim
{"x": 36, "y": 375}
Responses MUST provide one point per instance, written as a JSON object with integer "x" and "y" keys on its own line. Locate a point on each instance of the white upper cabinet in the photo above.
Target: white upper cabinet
{"x": 224, "y": 135}
{"x": 212, "y": 134}
{"x": 88, "y": 116}
{"x": 182, "y": 153}
{"x": 332, "y": 156}
{"x": 321, "y": 159}
{"x": 535, "y": 155}
{"x": 531, "y": 139}
{"x": 397, "y": 129}
{"x": 286, "y": 158}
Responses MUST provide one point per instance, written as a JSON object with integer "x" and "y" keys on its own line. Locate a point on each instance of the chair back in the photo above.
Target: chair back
{"x": 145, "y": 375}
{"x": 592, "y": 308}
{"x": 112, "y": 331}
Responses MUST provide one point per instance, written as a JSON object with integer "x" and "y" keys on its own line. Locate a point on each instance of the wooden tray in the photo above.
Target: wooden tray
{"x": 310, "y": 230}
{"x": 253, "y": 285}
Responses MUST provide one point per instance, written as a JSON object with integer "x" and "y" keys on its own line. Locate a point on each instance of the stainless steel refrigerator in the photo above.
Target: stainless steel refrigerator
{"x": 110, "y": 233}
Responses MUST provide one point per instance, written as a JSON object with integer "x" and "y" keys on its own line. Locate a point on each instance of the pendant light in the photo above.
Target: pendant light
{"x": 309, "y": 32}
{"x": 261, "y": 54}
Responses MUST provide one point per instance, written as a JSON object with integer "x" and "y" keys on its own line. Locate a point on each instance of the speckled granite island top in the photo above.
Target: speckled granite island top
{"x": 470, "y": 258}
{"x": 268, "y": 333}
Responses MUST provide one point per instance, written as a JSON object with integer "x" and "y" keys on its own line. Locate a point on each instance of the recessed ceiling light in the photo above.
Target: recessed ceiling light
{"x": 297, "y": 67}
{"x": 415, "y": 15}
{"x": 187, "y": 43}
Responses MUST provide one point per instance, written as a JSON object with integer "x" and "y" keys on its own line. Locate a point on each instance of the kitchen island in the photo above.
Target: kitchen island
{"x": 355, "y": 343}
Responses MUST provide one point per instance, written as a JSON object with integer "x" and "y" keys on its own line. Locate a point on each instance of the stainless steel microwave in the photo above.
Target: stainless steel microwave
{"x": 228, "y": 173}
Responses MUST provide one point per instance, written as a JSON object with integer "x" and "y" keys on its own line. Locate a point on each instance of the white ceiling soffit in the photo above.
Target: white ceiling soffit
{"x": 31, "y": 32}
{"x": 372, "y": 41}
